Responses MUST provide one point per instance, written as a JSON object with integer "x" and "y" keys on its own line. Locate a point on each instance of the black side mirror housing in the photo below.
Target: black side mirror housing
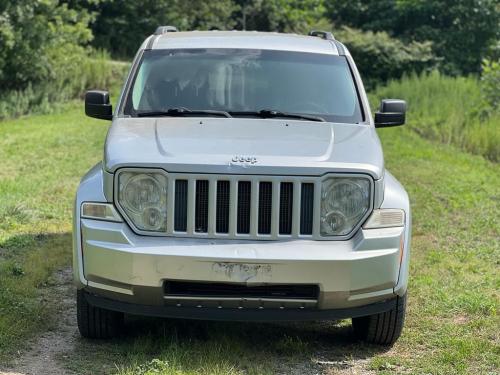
{"x": 392, "y": 112}
{"x": 97, "y": 105}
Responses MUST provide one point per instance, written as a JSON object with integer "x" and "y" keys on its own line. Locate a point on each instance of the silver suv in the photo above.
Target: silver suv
{"x": 242, "y": 179}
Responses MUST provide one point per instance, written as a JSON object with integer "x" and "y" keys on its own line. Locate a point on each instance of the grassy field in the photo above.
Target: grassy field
{"x": 43, "y": 158}
{"x": 452, "y": 324}
{"x": 451, "y": 110}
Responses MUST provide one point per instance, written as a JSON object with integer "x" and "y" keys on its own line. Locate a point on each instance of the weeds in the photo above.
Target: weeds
{"x": 448, "y": 110}
{"x": 96, "y": 71}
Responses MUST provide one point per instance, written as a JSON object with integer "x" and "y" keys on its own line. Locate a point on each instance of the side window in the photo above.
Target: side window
{"x": 140, "y": 83}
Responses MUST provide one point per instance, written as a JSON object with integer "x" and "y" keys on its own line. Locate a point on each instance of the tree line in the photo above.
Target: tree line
{"x": 45, "y": 40}
{"x": 459, "y": 33}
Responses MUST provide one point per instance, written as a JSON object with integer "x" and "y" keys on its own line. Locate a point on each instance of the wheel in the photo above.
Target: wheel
{"x": 94, "y": 322}
{"x": 384, "y": 328}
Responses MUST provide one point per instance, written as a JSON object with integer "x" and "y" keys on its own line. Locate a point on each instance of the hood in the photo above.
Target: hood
{"x": 243, "y": 146}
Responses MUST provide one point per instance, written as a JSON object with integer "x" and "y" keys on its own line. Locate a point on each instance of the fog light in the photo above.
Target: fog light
{"x": 100, "y": 211}
{"x": 152, "y": 218}
{"x": 333, "y": 222}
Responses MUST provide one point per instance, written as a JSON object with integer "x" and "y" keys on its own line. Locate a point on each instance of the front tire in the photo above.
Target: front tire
{"x": 384, "y": 328}
{"x": 94, "y": 322}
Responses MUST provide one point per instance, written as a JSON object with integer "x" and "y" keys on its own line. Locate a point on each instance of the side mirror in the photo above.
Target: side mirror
{"x": 97, "y": 105}
{"x": 392, "y": 113}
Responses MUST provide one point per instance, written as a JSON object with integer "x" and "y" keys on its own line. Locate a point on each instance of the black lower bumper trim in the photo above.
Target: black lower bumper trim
{"x": 246, "y": 314}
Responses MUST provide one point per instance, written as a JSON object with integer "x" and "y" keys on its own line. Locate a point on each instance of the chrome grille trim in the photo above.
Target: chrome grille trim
{"x": 254, "y": 184}
{"x": 255, "y": 180}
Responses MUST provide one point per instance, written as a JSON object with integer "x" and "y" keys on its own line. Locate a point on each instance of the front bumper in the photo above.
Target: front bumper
{"x": 119, "y": 265}
{"x": 238, "y": 314}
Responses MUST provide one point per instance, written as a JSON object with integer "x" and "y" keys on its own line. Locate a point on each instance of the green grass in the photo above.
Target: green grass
{"x": 452, "y": 322}
{"x": 449, "y": 110}
{"x": 43, "y": 158}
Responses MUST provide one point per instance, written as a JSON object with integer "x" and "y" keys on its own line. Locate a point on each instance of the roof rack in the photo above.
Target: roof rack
{"x": 322, "y": 34}
{"x": 165, "y": 29}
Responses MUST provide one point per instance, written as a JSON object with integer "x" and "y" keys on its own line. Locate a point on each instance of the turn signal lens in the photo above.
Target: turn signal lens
{"x": 385, "y": 218}
{"x": 100, "y": 211}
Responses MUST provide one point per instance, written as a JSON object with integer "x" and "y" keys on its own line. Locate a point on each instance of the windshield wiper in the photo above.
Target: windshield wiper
{"x": 181, "y": 111}
{"x": 269, "y": 113}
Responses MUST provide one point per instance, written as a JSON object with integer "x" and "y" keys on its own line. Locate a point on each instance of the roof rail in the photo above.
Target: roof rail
{"x": 322, "y": 34}
{"x": 160, "y": 30}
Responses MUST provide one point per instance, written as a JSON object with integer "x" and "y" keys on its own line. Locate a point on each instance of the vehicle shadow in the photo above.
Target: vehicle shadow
{"x": 191, "y": 345}
{"x": 298, "y": 347}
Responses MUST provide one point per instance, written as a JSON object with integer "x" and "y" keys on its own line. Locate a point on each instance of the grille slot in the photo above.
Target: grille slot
{"x": 244, "y": 198}
{"x": 201, "y": 213}
{"x": 275, "y": 291}
{"x": 306, "y": 208}
{"x": 180, "y": 207}
{"x": 222, "y": 207}
{"x": 265, "y": 207}
{"x": 286, "y": 205}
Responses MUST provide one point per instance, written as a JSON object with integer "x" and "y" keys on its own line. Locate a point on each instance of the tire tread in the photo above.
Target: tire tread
{"x": 97, "y": 323}
{"x": 383, "y": 328}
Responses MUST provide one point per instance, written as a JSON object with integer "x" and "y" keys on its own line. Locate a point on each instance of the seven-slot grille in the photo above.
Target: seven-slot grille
{"x": 229, "y": 206}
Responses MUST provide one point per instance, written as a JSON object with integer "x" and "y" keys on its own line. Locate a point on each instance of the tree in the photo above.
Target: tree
{"x": 296, "y": 16}
{"x": 461, "y": 31}
{"x": 39, "y": 40}
{"x": 122, "y": 25}
{"x": 380, "y": 57}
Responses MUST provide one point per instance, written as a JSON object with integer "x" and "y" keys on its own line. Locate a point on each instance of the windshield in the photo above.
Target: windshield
{"x": 244, "y": 81}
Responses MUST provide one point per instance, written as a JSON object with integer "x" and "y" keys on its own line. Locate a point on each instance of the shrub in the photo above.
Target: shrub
{"x": 43, "y": 58}
{"x": 380, "y": 57}
{"x": 96, "y": 71}
{"x": 461, "y": 31}
{"x": 40, "y": 41}
{"x": 491, "y": 85}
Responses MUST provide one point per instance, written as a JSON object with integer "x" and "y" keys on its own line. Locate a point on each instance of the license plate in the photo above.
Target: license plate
{"x": 243, "y": 272}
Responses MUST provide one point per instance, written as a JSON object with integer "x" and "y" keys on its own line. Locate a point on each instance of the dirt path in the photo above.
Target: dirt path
{"x": 48, "y": 352}
{"x": 42, "y": 357}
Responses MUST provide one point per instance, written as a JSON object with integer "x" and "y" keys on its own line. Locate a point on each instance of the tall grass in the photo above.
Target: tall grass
{"x": 96, "y": 71}
{"x": 451, "y": 110}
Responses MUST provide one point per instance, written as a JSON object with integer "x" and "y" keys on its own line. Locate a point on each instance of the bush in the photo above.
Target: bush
{"x": 447, "y": 109}
{"x": 96, "y": 71}
{"x": 40, "y": 41}
{"x": 380, "y": 57}
{"x": 43, "y": 57}
{"x": 461, "y": 31}
{"x": 490, "y": 78}
{"x": 121, "y": 26}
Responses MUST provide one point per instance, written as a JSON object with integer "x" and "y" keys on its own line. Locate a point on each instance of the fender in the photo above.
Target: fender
{"x": 395, "y": 196}
{"x": 91, "y": 189}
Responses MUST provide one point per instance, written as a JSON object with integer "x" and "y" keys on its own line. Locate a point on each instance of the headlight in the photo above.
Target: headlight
{"x": 344, "y": 202}
{"x": 143, "y": 197}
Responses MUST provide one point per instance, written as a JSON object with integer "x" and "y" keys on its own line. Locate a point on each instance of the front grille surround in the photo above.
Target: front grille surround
{"x": 297, "y": 189}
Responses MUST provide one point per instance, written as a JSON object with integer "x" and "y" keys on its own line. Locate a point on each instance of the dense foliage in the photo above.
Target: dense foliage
{"x": 121, "y": 26}
{"x": 45, "y": 44}
{"x": 462, "y": 31}
{"x": 43, "y": 56}
{"x": 40, "y": 41}
{"x": 491, "y": 86}
{"x": 380, "y": 57}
